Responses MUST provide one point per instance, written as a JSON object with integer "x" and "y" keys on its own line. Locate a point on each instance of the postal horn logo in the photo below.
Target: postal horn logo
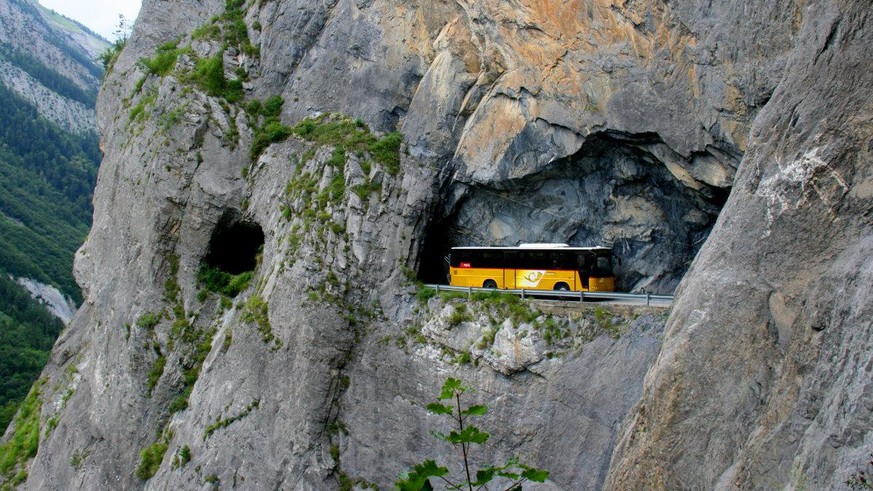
{"x": 534, "y": 276}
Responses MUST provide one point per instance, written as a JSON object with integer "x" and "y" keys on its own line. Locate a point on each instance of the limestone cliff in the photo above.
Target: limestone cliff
{"x": 768, "y": 347}
{"x": 585, "y": 122}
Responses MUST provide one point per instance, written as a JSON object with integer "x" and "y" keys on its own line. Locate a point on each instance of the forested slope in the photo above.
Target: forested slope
{"x": 49, "y": 156}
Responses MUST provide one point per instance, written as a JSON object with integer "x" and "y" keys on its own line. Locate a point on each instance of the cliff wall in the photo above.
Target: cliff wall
{"x": 585, "y": 122}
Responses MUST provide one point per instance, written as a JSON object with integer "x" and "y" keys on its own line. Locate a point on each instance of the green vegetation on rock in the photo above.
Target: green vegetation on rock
{"x": 225, "y": 422}
{"x": 24, "y": 441}
{"x": 256, "y": 311}
{"x": 215, "y": 280}
{"x": 150, "y": 458}
{"x": 165, "y": 58}
{"x": 209, "y": 75}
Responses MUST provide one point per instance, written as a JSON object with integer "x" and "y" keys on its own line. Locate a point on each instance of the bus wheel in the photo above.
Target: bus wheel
{"x": 489, "y": 284}
{"x": 562, "y": 287}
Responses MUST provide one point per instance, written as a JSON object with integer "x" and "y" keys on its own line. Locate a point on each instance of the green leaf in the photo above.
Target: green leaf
{"x": 438, "y": 408}
{"x": 416, "y": 480}
{"x": 471, "y": 434}
{"x": 509, "y": 475}
{"x": 535, "y": 475}
{"x": 475, "y": 411}
{"x": 429, "y": 468}
{"x": 451, "y": 388}
{"x": 484, "y": 476}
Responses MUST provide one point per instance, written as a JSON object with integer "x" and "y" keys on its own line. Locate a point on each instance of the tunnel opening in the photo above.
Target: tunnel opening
{"x": 235, "y": 244}
{"x": 616, "y": 191}
{"x": 233, "y": 254}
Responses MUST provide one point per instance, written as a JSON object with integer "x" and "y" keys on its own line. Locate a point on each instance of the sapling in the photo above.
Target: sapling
{"x": 466, "y": 435}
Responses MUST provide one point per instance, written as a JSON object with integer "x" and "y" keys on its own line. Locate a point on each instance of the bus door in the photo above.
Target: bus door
{"x": 509, "y": 263}
{"x": 584, "y": 262}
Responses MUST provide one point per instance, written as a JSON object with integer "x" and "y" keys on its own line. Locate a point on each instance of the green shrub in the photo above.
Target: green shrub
{"x": 487, "y": 339}
{"x": 208, "y": 74}
{"x": 180, "y": 402}
{"x": 273, "y": 106}
{"x": 150, "y": 459}
{"x": 108, "y": 57}
{"x": 256, "y": 311}
{"x": 337, "y": 157}
{"x": 215, "y": 280}
{"x": 354, "y": 136}
{"x": 183, "y": 456}
{"x": 604, "y": 320}
{"x": 459, "y": 315}
{"x": 137, "y": 112}
{"x": 272, "y": 131}
{"x": 424, "y": 294}
{"x": 148, "y": 320}
{"x": 337, "y": 188}
{"x": 24, "y": 441}
{"x": 156, "y": 372}
{"x": 164, "y": 60}
{"x": 387, "y": 151}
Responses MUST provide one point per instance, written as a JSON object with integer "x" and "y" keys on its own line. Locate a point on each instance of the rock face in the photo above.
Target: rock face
{"x": 583, "y": 122}
{"x": 768, "y": 347}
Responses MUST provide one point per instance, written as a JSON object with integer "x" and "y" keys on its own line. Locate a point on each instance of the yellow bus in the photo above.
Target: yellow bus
{"x": 533, "y": 267}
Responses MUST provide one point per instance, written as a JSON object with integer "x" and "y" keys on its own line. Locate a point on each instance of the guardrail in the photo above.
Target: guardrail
{"x": 564, "y": 295}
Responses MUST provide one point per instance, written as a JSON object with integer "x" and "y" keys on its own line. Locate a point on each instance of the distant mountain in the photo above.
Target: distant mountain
{"x": 49, "y": 155}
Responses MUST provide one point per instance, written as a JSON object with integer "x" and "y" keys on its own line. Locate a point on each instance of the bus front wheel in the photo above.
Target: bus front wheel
{"x": 489, "y": 284}
{"x": 562, "y": 287}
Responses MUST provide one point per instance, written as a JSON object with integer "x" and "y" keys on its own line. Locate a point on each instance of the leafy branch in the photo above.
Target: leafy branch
{"x": 466, "y": 435}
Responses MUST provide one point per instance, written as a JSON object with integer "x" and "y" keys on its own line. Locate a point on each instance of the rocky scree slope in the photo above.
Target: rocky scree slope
{"x": 534, "y": 116}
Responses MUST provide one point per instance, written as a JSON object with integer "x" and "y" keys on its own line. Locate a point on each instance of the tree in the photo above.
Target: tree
{"x": 121, "y": 33}
{"x": 466, "y": 435}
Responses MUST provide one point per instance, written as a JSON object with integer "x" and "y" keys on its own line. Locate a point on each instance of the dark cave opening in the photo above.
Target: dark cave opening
{"x": 616, "y": 191}
{"x": 235, "y": 244}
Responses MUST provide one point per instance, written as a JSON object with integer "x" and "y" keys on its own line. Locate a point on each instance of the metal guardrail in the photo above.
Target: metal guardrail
{"x": 564, "y": 295}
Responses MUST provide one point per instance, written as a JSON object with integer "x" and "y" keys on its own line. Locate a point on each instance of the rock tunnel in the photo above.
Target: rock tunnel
{"x": 617, "y": 190}
{"x": 235, "y": 244}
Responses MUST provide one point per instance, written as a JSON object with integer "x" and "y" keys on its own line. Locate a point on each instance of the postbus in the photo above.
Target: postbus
{"x": 533, "y": 266}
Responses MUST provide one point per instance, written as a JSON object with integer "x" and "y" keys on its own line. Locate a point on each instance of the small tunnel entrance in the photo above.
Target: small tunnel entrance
{"x": 616, "y": 191}
{"x": 235, "y": 244}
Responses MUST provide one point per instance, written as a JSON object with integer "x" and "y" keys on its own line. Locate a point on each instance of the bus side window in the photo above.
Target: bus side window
{"x": 603, "y": 265}
{"x": 492, "y": 259}
{"x": 460, "y": 257}
{"x": 581, "y": 262}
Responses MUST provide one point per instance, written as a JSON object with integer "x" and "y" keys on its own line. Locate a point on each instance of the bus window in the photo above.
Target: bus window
{"x": 534, "y": 260}
{"x": 461, "y": 259}
{"x": 604, "y": 266}
{"x": 491, "y": 259}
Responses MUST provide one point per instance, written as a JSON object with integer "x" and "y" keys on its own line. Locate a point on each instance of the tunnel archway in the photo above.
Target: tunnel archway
{"x": 618, "y": 190}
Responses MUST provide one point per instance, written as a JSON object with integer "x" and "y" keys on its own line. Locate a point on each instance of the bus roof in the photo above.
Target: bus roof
{"x": 528, "y": 247}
